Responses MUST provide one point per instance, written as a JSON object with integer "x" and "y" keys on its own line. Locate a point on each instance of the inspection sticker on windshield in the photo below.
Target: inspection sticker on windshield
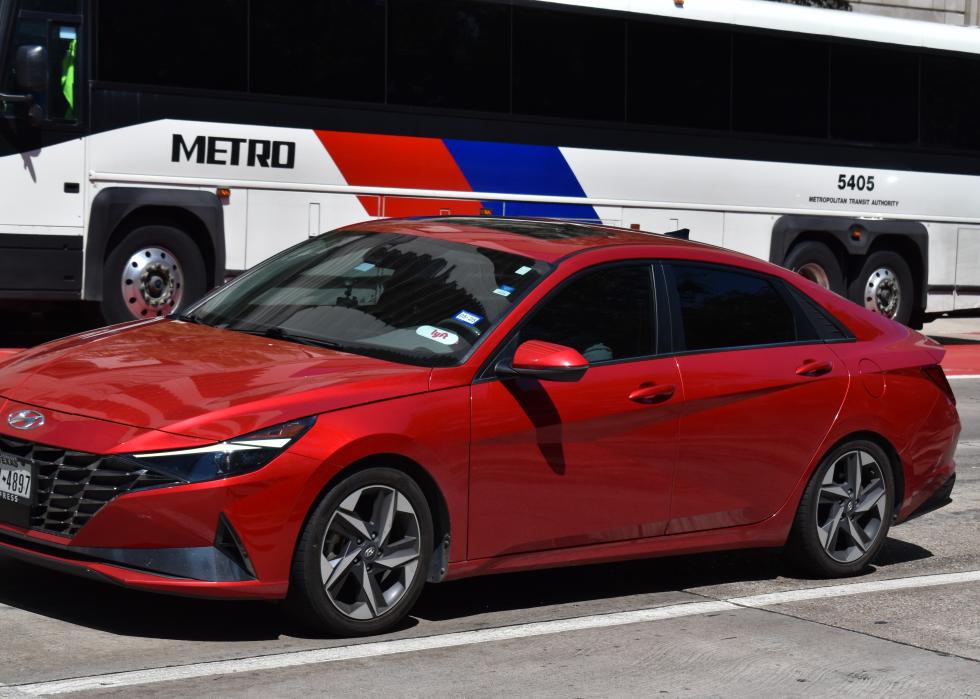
{"x": 522, "y": 270}
{"x": 504, "y": 290}
{"x": 468, "y": 318}
{"x": 443, "y": 337}
{"x": 364, "y": 267}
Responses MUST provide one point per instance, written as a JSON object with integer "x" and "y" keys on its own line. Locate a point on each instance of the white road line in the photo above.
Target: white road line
{"x": 953, "y": 377}
{"x": 855, "y": 589}
{"x": 466, "y": 638}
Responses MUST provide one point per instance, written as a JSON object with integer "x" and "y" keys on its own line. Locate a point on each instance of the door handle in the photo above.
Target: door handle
{"x": 812, "y": 367}
{"x": 652, "y": 393}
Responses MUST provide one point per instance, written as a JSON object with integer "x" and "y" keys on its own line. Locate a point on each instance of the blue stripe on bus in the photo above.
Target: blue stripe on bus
{"x": 512, "y": 168}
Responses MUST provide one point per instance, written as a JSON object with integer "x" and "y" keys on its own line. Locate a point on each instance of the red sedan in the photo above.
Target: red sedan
{"x": 421, "y": 400}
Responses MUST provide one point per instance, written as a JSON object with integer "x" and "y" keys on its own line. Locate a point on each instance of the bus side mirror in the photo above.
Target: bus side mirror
{"x": 32, "y": 68}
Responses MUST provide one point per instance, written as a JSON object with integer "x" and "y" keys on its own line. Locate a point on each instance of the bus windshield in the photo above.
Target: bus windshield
{"x": 417, "y": 300}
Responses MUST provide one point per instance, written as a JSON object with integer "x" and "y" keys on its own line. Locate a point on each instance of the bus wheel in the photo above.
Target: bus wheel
{"x": 153, "y": 271}
{"x": 884, "y": 286}
{"x": 816, "y": 262}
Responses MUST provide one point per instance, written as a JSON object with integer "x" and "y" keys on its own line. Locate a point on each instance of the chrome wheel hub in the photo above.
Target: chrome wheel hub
{"x": 851, "y": 506}
{"x": 815, "y": 273}
{"x": 152, "y": 283}
{"x": 370, "y": 552}
{"x": 882, "y": 293}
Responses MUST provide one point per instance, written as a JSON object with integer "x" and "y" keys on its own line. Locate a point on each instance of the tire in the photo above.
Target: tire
{"x": 330, "y": 586}
{"x": 153, "y": 271}
{"x": 885, "y": 279}
{"x": 829, "y": 550}
{"x": 816, "y": 262}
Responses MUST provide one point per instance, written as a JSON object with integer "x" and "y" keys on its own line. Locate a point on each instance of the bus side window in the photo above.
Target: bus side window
{"x": 58, "y": 100}
{"x": 62, "y": 56}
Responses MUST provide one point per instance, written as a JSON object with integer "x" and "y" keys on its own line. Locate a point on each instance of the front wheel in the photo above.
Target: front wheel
{"x": 845, "y": 511}
{"x": 153, "y": 271}
{"x": 362, "y": 557}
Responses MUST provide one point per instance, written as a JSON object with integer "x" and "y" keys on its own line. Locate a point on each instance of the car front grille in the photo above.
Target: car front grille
{"x": 72, "y": 486}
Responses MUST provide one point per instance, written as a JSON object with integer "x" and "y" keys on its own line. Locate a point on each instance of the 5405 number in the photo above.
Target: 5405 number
{"x": 863, "y": 183}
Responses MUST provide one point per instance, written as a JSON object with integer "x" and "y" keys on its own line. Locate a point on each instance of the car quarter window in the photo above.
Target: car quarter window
{"x": 606, "y": 314}
{"x": 722, "y": 307}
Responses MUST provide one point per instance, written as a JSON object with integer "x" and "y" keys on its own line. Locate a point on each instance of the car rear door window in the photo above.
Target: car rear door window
{"x": 721, "y": 307}
{"x": 606, "y": 314}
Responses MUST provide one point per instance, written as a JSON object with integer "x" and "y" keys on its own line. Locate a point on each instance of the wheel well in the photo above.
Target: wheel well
{"x": 832, "y": 243}
{"x": 895, "y": 462}
{"x": 910, "y": 252}
{"x": 433, "y": 497}
{"x": 167, "y": 216}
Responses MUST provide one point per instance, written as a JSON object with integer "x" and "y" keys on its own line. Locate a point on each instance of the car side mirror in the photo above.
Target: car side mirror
{"x": 545, "y": 361}
{"x": 32, "y": 68}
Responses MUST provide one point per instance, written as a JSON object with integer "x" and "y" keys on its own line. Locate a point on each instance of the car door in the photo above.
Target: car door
{"x": 761, "y": 391}
{"x": 557, "y": 464}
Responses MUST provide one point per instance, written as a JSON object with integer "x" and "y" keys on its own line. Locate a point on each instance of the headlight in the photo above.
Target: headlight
{"x": 231, "y": 458}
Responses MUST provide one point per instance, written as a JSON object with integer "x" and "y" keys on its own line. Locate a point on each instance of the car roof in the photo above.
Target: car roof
{"x": 549, "y": 240}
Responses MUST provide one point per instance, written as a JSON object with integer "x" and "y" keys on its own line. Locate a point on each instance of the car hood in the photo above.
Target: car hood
{"x": 197, "y": 381}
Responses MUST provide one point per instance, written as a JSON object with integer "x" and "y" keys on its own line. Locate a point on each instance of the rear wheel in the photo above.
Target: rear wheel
{"x": 362, "y": 557}
{"x": 845, "y": 511}
{"x": 153, "y": 271}
{"x": 884, "y": 285}
{"x": 816, "y": 262}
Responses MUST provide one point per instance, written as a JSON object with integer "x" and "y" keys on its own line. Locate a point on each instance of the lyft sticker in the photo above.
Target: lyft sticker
{"x": 468, "y": 318}
{"x": 443, "y": 337}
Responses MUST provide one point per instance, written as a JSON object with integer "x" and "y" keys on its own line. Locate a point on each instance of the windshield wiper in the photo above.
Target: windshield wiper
{"x": 277, "y": 333}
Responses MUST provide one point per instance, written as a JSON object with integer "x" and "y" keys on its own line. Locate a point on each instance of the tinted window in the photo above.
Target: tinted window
{"x": 679, "y": 76}
{"x": 185, "y": 43}
{"x": 951, "y": 102}
{"x": 780, "y": 85}
{"x": 331, "y": 48}
{"x": 722, "y": 308}
{"x": 874, "y": 95}
{"x": 449, "y": 53}
{"x": 569, "y": 65}
{"x": 418, "y": 300}
{"x": 59, "y": 95}
{"x": 605, "y": 315}
{"x": 64, "y": 7}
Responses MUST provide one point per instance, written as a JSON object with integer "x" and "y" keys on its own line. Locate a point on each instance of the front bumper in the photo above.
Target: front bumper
{"x": 232, "y": 538}
{"x": 87, "y": 564}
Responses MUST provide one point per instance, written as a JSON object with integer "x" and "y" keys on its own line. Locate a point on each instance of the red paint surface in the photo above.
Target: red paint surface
{"x": 528, "y": 473}
{"x": 962, "y": 360}
{"x": 401, "y": 162}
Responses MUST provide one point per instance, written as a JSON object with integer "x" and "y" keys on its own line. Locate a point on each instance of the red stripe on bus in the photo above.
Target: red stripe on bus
{"x": 375, "y": 160}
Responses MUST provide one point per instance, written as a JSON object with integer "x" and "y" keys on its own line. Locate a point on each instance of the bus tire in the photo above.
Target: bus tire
{"x": 884, "y": 285}
{"x": 817, "y": 262}
{"x": 155, "y": 270}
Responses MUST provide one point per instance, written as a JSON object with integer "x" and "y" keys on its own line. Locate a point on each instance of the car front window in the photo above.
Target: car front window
{"x": 419, "y": 300}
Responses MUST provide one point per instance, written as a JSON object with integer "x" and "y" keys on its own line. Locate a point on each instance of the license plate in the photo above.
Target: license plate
{"x": 16, "y": 490}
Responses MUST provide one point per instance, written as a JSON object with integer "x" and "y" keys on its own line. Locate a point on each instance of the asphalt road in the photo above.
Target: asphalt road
{"x": 689, "y": 626}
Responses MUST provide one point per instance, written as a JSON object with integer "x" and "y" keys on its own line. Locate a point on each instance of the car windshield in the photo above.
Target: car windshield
{"x": 418, "y": 300}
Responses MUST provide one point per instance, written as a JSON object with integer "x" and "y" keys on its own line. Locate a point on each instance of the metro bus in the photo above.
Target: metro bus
{"x": 148, "y": 149}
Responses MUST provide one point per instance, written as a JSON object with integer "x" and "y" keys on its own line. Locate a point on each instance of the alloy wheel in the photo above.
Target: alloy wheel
{"x": 370, "y": 552}
{"x": 851, "y": 507}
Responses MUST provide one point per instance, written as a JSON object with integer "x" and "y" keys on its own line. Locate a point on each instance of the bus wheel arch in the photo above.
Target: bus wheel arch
{"x": 818, "y": 257}
{"x": 151, "y": 227}
{"x": 890, "y": 276}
